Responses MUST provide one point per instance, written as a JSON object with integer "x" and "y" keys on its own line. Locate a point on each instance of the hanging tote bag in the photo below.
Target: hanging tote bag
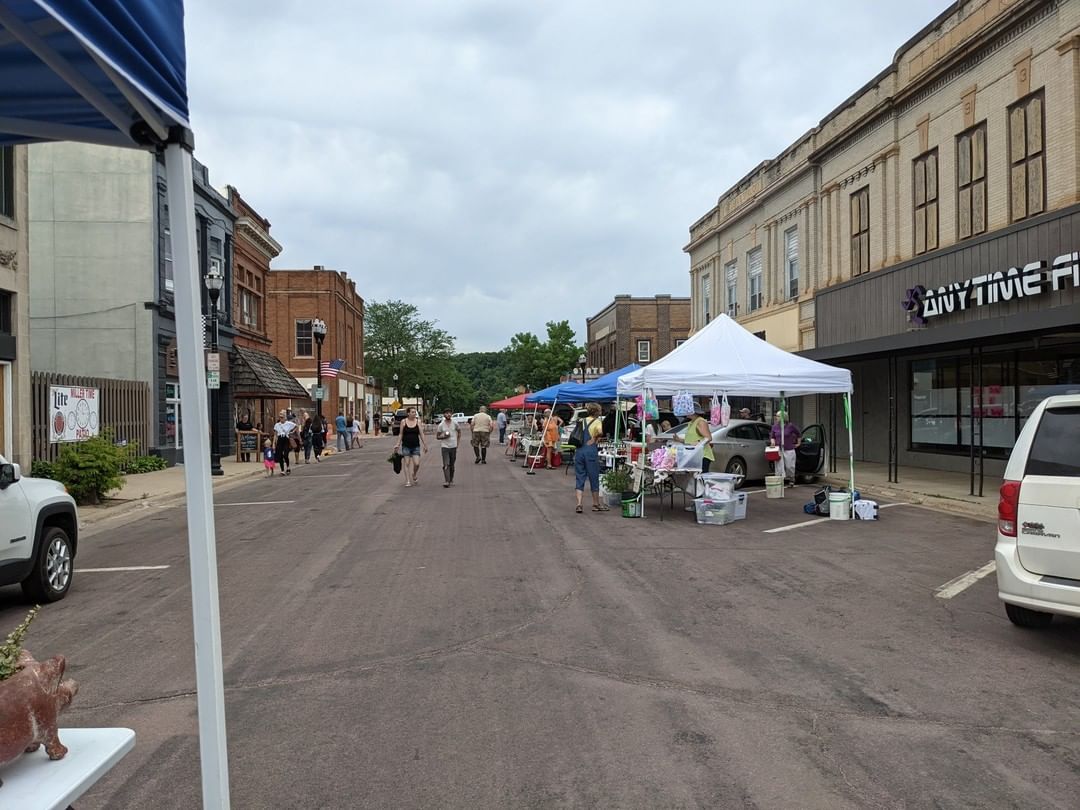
{"x": 682, "y": 404}
{"x": 725, "y": 412}
{"x": 577, "y": 435}
{"x": 652, "y": 409}
{"x": 715, "y": 416}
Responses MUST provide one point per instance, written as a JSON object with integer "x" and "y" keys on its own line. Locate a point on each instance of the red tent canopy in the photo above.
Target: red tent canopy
{"x": 509, "y": 404}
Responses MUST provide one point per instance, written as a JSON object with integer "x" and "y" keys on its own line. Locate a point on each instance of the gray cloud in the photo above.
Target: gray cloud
{"x": 501, "y": 163}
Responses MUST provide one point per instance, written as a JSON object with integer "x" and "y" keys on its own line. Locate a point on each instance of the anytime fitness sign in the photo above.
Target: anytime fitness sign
{"x": 922, "y": 304}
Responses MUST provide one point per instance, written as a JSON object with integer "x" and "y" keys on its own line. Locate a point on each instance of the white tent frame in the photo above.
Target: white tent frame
{"x": 202, "y": 542}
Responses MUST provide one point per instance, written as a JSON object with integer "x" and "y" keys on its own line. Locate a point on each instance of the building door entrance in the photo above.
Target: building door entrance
{"x": 5, "y": 408}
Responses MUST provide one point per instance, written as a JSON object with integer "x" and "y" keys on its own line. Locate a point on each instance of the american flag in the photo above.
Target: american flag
{"x": 330, "y": 368}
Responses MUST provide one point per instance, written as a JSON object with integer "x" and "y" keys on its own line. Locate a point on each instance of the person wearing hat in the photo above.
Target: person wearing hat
{"x": 744, "y": 413}
{"x": 698, "y": 432}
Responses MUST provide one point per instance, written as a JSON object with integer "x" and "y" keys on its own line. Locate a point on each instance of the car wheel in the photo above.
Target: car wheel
{"x": 51, "y": 577}
{"x": 1026, "y": 617}
{"x": 737, "y": 467}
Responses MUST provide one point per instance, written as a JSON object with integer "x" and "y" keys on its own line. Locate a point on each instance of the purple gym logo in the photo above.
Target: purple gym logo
{"x": 913, "y": 304}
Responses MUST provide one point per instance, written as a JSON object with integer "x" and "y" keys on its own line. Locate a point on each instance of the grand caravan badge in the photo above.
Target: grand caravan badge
{"x": 1037, "y": 530}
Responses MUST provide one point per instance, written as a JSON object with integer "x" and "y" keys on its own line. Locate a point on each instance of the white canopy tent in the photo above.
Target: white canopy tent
{"x": 724, "y": 358}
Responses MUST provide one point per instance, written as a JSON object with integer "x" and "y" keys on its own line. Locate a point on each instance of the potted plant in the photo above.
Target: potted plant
{"x": 32, "y": 695}
{"x": 618, "y": 485}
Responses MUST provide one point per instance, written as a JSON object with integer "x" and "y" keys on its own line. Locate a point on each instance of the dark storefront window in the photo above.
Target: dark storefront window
{"x": 7, "y": 181}
{"x": 947, "y": 391}
{"x": 5, "y": 313}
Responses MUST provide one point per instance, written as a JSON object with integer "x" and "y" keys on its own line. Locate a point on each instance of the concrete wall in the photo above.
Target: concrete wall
{"x": 15, "y": 366}
{"x": 92, "y": 247}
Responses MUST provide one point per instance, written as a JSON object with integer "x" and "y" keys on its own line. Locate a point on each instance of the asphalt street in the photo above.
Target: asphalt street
{"x": 484, "y": 646}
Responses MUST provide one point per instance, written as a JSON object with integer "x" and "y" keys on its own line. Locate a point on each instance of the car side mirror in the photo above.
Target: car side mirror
{"x": 9, "y": 474}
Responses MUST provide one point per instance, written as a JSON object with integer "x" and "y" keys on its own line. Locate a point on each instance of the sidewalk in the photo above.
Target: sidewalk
{"x": 936, "y": 489}
{"x": 163, "y": 487}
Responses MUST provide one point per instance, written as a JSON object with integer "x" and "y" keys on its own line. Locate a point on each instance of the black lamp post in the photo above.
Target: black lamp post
{"x": 318, "y": 329}
{"x": 214, "y": 282}
{"x": 582, "y": 360}
{"x": 420, "y": 410}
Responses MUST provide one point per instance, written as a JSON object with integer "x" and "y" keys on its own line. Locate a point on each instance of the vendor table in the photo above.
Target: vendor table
{"x": 34, "y": 782}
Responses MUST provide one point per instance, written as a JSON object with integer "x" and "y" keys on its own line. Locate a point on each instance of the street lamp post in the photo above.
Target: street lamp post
{"x": 214, "y": 281}
{"x": 318, "y": 329}
{"x": 420, "y": 410}
{"x": 581, "y": 364}
{"x": 395, "y": 386}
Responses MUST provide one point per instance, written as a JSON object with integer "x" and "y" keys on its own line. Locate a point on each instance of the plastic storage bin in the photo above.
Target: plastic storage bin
{"x": 717, "y": 513}
{"x": 840, "y": 505}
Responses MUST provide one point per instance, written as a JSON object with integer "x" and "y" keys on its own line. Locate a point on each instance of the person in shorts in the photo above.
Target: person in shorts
{"x": 410, "y": 439}
{"x": 481, "y": 434}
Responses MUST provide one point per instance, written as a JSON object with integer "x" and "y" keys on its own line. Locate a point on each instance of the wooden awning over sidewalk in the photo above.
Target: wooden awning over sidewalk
{"x": 257, "y": 374}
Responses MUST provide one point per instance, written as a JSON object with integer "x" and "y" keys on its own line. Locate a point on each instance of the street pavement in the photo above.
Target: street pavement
{"x": 485, "y": 646}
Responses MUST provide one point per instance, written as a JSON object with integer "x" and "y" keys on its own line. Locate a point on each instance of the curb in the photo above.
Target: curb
{"x": 88, "y": 518}
{"x": 943, "y": 504}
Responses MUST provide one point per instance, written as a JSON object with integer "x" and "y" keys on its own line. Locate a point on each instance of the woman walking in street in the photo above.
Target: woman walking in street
{"x": 587, "y": 459}
{"x": 410, "y": 439}
{"x": 354, "y": 431}
{"x": 297, "y": 441}
{"x": 318, "y": 436}
{"x": 448, "y": 433}
{"x": 552, "y": 428}
{"x": 284, "y": 430}
{"x": 306, "y": 438}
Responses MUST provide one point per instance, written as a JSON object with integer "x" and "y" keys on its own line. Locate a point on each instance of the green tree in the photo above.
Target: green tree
{"x": 489, "y": 373}
{"x": 538, "y": 365}
{"x": 397, "y": 340}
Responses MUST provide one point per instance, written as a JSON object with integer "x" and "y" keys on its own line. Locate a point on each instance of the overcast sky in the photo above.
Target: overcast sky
{"x": 502, "y": 163}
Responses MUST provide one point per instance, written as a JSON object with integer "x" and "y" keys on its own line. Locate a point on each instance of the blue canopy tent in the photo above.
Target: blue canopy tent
{"x": 603, "y": 389}
{"x": 546, "y": 396}
{"x": 114, "y": 72}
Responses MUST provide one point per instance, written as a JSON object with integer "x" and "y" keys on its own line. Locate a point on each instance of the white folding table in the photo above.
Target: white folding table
{"x": 35, "y": 782}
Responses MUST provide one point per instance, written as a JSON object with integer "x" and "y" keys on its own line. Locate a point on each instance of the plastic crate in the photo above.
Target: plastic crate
{"x": 715, "y": 512}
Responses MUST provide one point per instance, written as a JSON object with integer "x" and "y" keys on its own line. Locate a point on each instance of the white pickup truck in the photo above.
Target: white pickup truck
{"x": 39, "y": 529}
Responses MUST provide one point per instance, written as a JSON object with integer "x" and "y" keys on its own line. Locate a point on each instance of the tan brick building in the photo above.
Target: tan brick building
{"x": 958, "y": 164}
{"x": 294, "y": 299}
{"x": 636, "y": 330}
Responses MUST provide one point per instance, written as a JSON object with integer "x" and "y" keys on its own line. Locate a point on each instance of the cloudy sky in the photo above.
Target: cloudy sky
{"x": 502, "y": 163}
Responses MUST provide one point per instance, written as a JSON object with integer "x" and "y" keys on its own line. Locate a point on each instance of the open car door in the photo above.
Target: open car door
{"x": 810, "y": 454}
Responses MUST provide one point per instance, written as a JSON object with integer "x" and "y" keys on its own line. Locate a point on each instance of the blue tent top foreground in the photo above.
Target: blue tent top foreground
{"x": 98, "y": 71}
{"x": 602, "y": 389}
{"x": 549, "y": 394}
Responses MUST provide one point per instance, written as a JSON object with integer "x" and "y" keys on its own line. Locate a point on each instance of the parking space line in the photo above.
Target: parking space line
{"x": 114, "y": 570}
{"x": 964, "y": 581}
{"x": 327, "y": 475}
{"x": 795, "y": 526}
{"x": 254, "y": 503}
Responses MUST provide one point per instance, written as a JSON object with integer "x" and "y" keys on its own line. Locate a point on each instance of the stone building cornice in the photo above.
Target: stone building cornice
{"x": 254, "y": 234}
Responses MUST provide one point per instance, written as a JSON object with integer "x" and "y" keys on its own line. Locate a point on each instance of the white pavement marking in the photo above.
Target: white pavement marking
{"x": 795, "y": 525}
{"x": 964, "y": 581}
{"x": 113, "y": 570}
{"x": 890, "y": 505}
{"x": 254, "y": 503}
{"x": 328, "y": 475}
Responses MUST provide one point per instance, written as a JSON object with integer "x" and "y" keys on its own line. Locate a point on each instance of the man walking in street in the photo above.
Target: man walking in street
{"x": 448, "y": 432}
{"x": 342, "y": 428}
{"x": 481, "y": 434}
{"x": 500, "y": 420}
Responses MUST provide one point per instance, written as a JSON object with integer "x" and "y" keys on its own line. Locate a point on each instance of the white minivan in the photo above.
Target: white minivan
{"x": 1038, "y": 536}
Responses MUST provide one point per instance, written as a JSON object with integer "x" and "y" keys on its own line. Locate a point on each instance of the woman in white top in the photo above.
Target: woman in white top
{"x": 283, "y": 430}
{"x": 354, "y": 429}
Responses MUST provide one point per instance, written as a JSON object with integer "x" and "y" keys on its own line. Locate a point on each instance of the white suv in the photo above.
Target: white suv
{"x": 1038, "y": 537}
{"x": 39, "y": 532}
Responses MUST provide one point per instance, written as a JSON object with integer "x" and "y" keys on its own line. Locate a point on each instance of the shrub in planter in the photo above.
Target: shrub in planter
{"x": 91, "y": 468}
{"x": 43, "y": 469}
{"x": 144, "y": 464}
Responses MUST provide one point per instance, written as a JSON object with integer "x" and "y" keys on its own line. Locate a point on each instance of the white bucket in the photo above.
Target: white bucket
{"x": 840, "y": 505}
{"x": 774, "y": 486}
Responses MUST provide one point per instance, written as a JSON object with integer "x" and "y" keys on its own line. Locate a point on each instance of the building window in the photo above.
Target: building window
{"x": 5, "y": 314}
{"x": 679, "y": 342}
{"x": 731, "y": 278}
{"x": 971, "y": 182}
{"x": 644, "y": 351}
{"x": 860, "y": 231}
{"x": 303, "y": 338}
{"x": 754, "y": 298}
{"x": 173, "y": 432}
{"x": 706, "y": 296}
{"x": 925, "y": 193}
{"x": 1027, "y": 161}
{"x": 7, "y": 181}
{"x": 791, "y": 262}
{"x": 249, "y": 309}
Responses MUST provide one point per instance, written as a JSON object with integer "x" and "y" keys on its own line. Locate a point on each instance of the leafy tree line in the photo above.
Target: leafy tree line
{"x": 398, "y": 340}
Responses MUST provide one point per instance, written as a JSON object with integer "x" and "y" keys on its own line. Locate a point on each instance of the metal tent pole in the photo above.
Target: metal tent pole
{"x": 200, "y": 497}
{"x": 849, "y": 418}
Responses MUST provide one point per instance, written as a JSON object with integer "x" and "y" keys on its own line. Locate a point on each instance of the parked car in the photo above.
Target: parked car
{"x": 460, "y": 418}
{"x": 739, "y": 448}
{"x": 399, "y": 414}
{"x": 1038, "y": 532}
{"x": 39, "y": 533}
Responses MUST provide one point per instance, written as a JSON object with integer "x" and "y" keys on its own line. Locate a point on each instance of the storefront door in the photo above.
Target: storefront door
{"x": 5, "y": 408}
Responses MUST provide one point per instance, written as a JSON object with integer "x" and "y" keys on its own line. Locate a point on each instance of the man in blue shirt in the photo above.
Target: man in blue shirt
{"x": 342, "y": 429}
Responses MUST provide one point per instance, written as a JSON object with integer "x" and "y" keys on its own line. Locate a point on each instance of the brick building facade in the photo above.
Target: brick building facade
{"x": 958, "y": 164}
{"x": 294, "y": 299}
{"x": 636, "y": 330}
